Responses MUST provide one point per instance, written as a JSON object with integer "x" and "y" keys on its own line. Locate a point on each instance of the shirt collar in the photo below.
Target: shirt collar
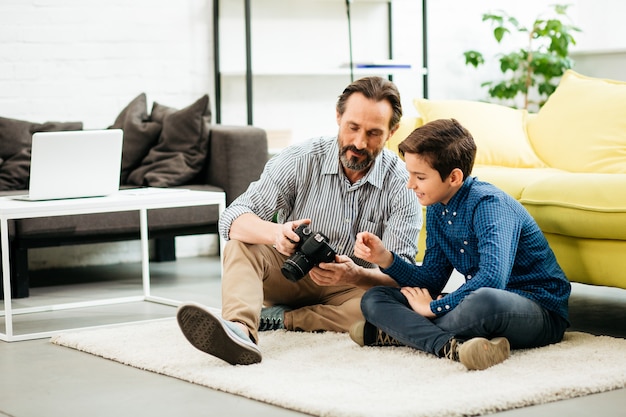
{"x": 460, "y": 196}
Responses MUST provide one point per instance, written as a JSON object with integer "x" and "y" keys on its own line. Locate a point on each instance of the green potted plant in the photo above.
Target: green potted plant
{"x": 531, "y": 73}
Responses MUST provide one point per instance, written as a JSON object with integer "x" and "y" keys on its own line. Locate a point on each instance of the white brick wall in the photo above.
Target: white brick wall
{"x": 85, "y": 60}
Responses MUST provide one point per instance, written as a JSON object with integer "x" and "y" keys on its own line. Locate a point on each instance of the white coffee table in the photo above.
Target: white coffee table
{"x": 141, "y": 200}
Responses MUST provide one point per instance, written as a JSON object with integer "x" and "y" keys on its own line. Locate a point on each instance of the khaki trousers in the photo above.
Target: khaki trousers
{"x": 252, "y": 279}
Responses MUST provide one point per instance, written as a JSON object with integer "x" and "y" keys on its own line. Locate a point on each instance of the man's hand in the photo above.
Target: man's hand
{"x": 419, "y": 300}
{"x": 286, "y": 240}
{"x": 342, "y": 272}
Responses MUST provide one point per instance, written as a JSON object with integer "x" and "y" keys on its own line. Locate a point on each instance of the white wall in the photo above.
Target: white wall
{"x": 85, "y": 59}
{"x": 601, "y": 51}
{"x": 456, "y": 26}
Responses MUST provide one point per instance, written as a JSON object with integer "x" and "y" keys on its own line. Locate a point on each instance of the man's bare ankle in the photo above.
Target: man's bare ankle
{"x": 243, "y": 327}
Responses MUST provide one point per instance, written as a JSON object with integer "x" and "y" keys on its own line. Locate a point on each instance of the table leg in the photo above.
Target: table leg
{"x": 6, "y": 279}
{"x": 145, "y": 253}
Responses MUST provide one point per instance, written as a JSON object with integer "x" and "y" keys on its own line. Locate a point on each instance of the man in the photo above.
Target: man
{"x": 339, "y": 186}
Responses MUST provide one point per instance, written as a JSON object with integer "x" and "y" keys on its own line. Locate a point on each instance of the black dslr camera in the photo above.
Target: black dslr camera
{"x": 312, "y": 249}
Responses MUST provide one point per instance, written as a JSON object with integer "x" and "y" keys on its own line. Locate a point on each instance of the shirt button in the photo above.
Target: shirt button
{"x": 465, "y": 242}
{"x": 469, "y": 277}
{"x": 438, "y": 308}
{"x": 447, "y": 307}
{"x": 462, "y": 251}
{"x": 454, "y": 213}
{"x": 449, "y": 222}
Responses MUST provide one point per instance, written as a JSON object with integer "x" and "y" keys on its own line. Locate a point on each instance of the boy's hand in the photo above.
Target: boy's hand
{"x": 370, "y": 248}
{"x": 419, "y": 300}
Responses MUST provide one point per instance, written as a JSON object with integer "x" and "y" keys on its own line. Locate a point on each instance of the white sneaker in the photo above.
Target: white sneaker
{"x": 217, "y": 337}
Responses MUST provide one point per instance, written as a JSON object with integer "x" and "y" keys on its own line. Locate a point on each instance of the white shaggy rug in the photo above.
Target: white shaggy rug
{"x": 326, "y": 374}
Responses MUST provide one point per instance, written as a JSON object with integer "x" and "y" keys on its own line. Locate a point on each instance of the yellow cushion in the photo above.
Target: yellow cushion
{"x": 512, "y": 181}
{"x": 407, "y": 125}
{"x": 579, "y": 204}
{"x": 499, "y": 131}
{"x": 582, "y": 126}
{"x": 590, "y": 261}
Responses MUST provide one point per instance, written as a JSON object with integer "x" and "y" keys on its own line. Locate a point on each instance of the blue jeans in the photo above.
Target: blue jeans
{"x": 486, "y": 312}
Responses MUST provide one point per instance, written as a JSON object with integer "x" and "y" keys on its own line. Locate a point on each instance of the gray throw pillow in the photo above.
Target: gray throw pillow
{"x": 140, "y": 134}
{"x": 182, "y": 147}
{"x": 15, "y": 171}
{"x": 16, "y": 137}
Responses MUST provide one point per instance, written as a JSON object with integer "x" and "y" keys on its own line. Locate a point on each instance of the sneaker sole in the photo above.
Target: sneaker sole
{"x": 479, "y": 353}
{"x": 209, "y": 333}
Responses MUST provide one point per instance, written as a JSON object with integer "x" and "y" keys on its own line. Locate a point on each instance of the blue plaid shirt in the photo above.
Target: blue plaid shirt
{"x": 490, "y": 238}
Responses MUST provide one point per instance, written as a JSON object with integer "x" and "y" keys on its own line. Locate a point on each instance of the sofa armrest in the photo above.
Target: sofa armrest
{"x": 237, "y": 156}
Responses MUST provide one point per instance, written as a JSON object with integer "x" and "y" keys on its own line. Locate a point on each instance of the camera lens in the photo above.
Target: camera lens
{"x": 296, "y": 267}
{"x": 311, "y": 250}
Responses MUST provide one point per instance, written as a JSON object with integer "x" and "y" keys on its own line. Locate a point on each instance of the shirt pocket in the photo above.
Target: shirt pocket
{"x": 369, "y": 226}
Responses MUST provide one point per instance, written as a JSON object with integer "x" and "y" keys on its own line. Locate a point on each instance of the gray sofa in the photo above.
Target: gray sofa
{"x": 169, "y": 148}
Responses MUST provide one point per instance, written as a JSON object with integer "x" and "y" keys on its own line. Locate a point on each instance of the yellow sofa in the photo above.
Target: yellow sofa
{"x": 566, "y": 164}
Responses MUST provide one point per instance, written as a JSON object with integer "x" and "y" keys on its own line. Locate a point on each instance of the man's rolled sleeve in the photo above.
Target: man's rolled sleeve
{"x": 228, "y": 217}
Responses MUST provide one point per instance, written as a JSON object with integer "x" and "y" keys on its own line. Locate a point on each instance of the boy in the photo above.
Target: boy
{"x": 515, "y": 294}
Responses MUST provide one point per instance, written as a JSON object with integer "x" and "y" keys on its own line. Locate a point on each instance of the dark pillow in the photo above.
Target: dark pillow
{"x": 181, "y": 150}
{"x": 16, "y": 137}
{"x": 140, "y": 134}
{"x": 55, "y": 127}
{"x": 15, "y": 171}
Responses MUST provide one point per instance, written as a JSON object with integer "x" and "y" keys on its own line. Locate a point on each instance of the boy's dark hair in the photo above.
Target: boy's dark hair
{"x": 445, "y": 144}
{"x": 377, "y": 89}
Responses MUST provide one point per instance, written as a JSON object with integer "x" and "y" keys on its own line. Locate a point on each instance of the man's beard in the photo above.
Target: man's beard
{"x": 353, "y": 163}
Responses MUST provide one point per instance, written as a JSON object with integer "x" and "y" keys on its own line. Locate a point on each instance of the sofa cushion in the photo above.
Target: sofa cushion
{"x": 582, "y": 126}
{"x": 182, "y": 147}
{"x": 499, "y": 131}
{"x": 16, "y": 137}
{"x": 579, "y": 205}
{"x": 140, "y": 134}
{"x": 512, "y": 181}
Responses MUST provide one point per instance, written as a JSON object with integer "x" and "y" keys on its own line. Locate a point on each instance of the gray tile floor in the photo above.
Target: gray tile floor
{"x": 41, "y": 379}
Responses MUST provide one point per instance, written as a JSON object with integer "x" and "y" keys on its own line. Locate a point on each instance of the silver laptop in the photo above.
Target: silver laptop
{"x": 74, "y": 164}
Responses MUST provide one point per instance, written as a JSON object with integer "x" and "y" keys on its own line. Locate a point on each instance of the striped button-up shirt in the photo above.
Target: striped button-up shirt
{"x": 307, "y": 181}
{"x": 492, "y": 240}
